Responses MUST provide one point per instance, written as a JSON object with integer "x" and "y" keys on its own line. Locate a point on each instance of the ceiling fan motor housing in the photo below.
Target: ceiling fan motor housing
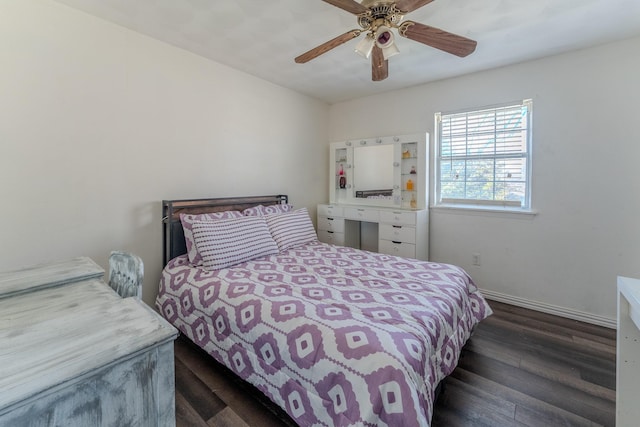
{"x": 380, "y": 14}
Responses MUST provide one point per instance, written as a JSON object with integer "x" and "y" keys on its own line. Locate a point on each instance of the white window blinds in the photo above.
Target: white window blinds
{"x": 484, "y": 156}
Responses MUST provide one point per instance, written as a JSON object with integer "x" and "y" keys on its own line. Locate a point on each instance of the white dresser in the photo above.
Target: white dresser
{"x": 628, "y": 352}
{"x": 73, "y": 353}
{"x": 391, "y": 231}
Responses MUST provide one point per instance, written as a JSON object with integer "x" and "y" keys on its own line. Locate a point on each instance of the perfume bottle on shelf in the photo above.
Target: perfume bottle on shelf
{"x": 413, "y": 170}
{"x": 409, "y": 185}
{"x": 413, "y": 203}
{"x": 342, "y": 182}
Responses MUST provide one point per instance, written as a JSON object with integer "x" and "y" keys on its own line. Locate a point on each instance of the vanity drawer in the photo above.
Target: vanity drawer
{"x": 405, "y": 250}
{"x": 331, "y": 237}
{"x": 362, "y": 214}
{"x": 398, "y": 217}
{"x": 330, "y": 210}
{"x": 397, "y": 233}
{"x": 331, "y": 224}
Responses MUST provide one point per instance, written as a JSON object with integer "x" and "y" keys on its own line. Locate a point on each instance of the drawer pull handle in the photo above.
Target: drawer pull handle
{"x": 330, "y": 232}
{"x": 329, "y": 219}
{"x": 396, "y": 242}
{"x": 396, "y": 226}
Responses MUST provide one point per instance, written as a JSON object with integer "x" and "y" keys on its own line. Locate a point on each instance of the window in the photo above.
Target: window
{"x": 483, "y": 157}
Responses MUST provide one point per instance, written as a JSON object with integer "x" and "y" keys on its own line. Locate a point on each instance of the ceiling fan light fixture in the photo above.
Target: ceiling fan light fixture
{"x": 385, "y": 41}
{"x": 390, "y": 51}
{"x": 384, "y": 37}
{"x": 365, "y": 46}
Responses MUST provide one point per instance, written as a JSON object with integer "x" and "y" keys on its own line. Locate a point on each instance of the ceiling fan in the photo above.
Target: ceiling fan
{"x": 376, "y": 18}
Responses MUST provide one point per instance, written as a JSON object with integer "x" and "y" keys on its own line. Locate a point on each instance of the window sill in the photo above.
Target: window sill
{"x": 480, "y": 209}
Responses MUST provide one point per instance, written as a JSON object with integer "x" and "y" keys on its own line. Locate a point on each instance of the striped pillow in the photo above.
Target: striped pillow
{"x": 291, "y": 229}
{"x": 187, "y": 222}
{"x": 225, "y": 243}
{"x": 262, "y": 210}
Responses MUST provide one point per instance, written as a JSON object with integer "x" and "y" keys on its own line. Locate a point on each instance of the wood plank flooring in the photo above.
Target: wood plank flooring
{"x": 521, "y": 368}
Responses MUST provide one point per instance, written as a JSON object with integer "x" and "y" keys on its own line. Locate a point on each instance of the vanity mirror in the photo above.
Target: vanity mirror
{"x": 373, "y": 171}
{"x": 385, "y": 171}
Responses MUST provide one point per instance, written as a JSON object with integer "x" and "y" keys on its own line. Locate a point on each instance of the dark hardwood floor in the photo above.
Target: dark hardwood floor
{"x": 521, "y": 368}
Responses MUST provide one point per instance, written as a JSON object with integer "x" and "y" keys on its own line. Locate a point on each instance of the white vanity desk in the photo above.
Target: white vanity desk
{"x": 386, "y": 230}
{"x": 378, "y": 193}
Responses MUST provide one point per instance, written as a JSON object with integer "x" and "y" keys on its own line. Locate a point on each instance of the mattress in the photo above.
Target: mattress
{"x": 335, "y": 336}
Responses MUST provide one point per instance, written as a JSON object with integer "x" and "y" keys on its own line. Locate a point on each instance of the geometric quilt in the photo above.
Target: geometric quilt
{"x": 335, "y": 336}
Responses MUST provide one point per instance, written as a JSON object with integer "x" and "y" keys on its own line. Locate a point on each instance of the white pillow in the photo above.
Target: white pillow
{"x": 188, "y": 220}
{"x": 291, "y": 229}
{"x": 225, "y": 243}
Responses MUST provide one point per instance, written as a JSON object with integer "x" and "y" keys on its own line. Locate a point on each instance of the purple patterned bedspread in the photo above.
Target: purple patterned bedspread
{"x": 334, "y": 335}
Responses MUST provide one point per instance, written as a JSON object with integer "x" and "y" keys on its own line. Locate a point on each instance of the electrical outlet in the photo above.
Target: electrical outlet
{"x": 475, "y": 258}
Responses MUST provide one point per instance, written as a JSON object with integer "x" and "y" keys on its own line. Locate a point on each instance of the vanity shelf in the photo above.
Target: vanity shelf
{"x": 385, "y": 171}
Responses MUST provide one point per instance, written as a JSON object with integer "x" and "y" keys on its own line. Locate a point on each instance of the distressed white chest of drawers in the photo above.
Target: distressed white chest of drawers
{"x": 74, "y": 353}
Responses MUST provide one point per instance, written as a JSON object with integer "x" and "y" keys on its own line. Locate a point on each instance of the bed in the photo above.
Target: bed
{"x": 335, "y": 336}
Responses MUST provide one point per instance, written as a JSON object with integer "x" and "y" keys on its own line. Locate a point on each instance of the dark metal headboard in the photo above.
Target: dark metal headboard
{"x": 172, "y": 233}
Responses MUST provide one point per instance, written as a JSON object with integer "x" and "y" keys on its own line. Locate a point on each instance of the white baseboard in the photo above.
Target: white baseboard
{"x": 551, "y": 309}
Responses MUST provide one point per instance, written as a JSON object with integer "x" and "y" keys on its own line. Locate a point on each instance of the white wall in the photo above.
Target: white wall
{"x": 586, "y": 177}
{"x": 98, "y": 124}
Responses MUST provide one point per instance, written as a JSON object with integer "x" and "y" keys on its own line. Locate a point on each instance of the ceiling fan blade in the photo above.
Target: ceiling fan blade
{"x": 435, "y": 37}
{"x": 407, "y": 6}
{"x": 348, "y": 5}
{"x": 327, "y": 46}
{"x": 379, "y": 65}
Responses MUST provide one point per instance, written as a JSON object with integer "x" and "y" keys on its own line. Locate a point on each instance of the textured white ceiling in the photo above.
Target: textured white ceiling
{"x": 261, "y": 37}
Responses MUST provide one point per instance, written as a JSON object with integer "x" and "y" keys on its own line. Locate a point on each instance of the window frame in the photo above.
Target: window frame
{"x": 480, "y": 204}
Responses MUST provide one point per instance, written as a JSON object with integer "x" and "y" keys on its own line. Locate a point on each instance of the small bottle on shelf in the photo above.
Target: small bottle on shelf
{"x": 409, "y": 185}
